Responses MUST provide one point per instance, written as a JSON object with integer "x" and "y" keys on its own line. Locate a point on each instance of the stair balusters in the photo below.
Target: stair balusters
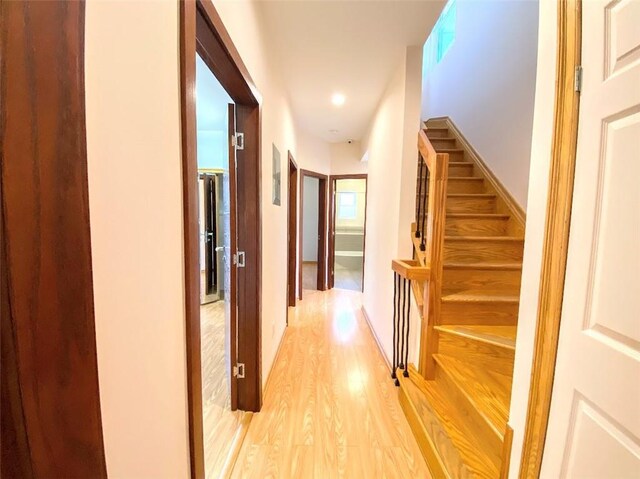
{"x": 423, "y": 237}
{"x": 419, "y": 210}
{"x": 401, "y": 323}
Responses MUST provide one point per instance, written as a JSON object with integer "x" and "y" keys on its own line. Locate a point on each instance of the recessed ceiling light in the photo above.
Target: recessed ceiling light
{"x": 338, "y": 99}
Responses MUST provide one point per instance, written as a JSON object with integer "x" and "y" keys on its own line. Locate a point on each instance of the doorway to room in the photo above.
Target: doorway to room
{"x": 222, "y": 239}
{"x": 218, "y": 320}
{"x": 348, "y": 218}
{"x": 313, "y": 232}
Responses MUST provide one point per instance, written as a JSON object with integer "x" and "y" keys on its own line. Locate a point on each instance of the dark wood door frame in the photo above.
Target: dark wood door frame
{"x": 332, "y": 222}
{"x": 202, "y": 31}
{"x": 322, "y": 229}
{"x": 292, "y": 230}
{"x": 51, "y": 419}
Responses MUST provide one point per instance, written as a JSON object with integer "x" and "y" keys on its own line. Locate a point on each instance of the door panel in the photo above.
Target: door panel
{"x": 594, "y": 423}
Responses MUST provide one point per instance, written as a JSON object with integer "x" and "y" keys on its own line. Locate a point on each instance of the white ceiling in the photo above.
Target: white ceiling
{"x": 352, "y": 47}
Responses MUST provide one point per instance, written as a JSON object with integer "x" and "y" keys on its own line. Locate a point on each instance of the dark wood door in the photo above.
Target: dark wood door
{"x": 210, "y": 234}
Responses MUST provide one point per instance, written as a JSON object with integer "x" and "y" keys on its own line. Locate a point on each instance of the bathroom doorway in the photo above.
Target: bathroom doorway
{"x": 347, "y": 231}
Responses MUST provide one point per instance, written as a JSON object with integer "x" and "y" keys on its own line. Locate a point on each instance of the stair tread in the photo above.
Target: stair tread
{"x": 471, "y": 296}
{"x": 448, "y": 150}
{"x": 449, "y": 422}
{"x": 487, "y": 266}
{"x": 488, "y": 391}
{"x": 465, "y": 178}
{"x": 485, "y": 238}
{"x": 489, "y": 216}
{"x": 503, "y": 336}
{"x": 471, "y": 195}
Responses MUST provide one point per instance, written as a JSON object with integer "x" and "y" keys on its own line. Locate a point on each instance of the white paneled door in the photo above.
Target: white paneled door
{"x": 594, "y": 425}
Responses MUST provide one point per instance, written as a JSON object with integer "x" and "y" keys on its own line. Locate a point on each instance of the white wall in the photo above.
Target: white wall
{"x": 133, "y": 130}
{"x": 310, "y": 219}
{"x": 244, "y": 22}
{"x": 346, "y": 158}
{"x": 534, "y": 235}
{"x": 314, "y": 154}
{"x": 486, "y": 83}
{"x": 392, "y": 160}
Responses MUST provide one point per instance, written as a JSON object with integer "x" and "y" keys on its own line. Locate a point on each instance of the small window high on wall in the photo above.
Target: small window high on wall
{"x": 346, "y": 205}
{"x": 441, "y": 38}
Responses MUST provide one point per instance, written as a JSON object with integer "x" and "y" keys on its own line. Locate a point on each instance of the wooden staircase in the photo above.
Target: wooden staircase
{"x": 458, "y": 402}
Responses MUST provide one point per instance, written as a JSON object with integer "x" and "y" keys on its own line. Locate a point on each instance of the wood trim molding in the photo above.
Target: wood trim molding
{"x": 51, "y": 414}
{"x": 556, "y": 238}
{"x": 292, "y": 230}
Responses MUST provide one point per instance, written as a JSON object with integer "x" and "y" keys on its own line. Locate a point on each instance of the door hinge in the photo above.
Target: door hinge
{"x": 238, "y": 371}
{"x": 237, "y": 140}
{"x": 238, "y": 259}
{"x": 578, "y": 79}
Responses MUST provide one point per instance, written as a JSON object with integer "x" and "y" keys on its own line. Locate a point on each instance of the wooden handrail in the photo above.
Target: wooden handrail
{"x": 411, "y": 269}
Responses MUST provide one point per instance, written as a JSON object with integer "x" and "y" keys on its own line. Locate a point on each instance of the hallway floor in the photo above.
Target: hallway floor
{"x": 220, "y": 423}
{"x": 330, "y": 408}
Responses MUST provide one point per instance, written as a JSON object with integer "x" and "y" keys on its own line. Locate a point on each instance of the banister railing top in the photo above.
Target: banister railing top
{"x": 411, "y": 269}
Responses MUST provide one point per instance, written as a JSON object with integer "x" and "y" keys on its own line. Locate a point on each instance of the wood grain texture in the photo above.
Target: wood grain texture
{"x": 487, "y": 392}
{"x": 471, "y": 224}
{"x": 292, "y": 230}
{"x": 503, "y": 277}
{"x": 51, "y": 419}
{"x": 330, "y": 408}
{"x": 457, "y": 447}
{"x": 470, "y": 184}
{"x": 478, "y": 249}
{"x": 556, "y": 237}
{"x": 411, "y": 269}
{"x": 490, "y": 355}
{"x": 506, "y": 203}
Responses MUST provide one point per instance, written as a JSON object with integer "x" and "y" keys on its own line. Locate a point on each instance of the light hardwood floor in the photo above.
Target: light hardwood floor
{"x": 219, "y": 422}
{"x": 330, "y": 408}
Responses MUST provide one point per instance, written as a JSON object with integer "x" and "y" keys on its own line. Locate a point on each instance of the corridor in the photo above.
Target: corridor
{"x": 330, "y": 408}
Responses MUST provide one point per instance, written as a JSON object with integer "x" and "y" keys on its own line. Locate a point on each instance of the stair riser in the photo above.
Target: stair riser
{"x": 469, "y": 313}
{"x": 461, "y": 170}
{"x": 481, "y": 354}
{"x": 437, "y": 133}
{"x": 457, "y": 280}
{"x": 475, "y": 227}
{"x": 481, "y": 426}
{"x": 471, "y": 205}
{"x": 482, "y": 251}
{"x": 456, "y": 156}
{"x": 436, "y": 447}
{"x": 443, "y": 142}
{"x": 465, "y": 186}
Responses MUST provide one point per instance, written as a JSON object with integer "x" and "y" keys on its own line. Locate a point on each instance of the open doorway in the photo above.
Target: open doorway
{"x": 348, "y": 218}
{"x": 313, "y": 232}
{"x": 222, "y": 239}
{"x": 292, "y": 232}
{"x": 216, "y": 160}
